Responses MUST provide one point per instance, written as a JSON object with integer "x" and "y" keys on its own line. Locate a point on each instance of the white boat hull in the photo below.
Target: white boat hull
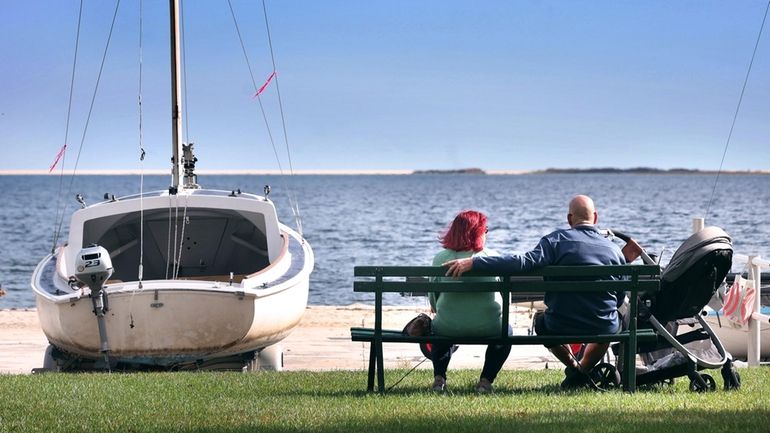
{"x": 190, "y": 319}
{"x": 179, "y": 326}
{"x": 735, "y": 337}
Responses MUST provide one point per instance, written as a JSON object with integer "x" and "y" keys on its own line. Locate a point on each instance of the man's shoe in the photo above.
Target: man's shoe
{"x": 484, "y": 386}
{"x": 576, "y": 379}
{"x": 439, "y": 384}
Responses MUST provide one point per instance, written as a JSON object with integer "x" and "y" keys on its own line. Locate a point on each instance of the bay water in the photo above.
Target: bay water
{"x": 354, "y": 220}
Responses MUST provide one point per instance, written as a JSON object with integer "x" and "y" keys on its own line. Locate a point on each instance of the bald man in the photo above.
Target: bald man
{"x": 567, "y": 313}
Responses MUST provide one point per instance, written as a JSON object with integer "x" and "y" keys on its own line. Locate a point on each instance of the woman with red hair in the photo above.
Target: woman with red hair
{"x": 466, "y": 314}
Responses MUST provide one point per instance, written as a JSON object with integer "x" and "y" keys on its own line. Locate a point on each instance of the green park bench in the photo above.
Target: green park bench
{"x": 417, "y": 279}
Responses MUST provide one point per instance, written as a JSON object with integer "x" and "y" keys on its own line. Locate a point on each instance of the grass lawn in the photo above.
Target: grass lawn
{"x": 337, "y": 402}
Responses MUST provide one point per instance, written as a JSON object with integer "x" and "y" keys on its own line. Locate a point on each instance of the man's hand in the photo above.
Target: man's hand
{"x": 631, "y": 250}
{"x": 455, "y": 268}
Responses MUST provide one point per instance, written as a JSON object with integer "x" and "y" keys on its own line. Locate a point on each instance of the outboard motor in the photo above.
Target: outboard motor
{"x": 93, "y": 268}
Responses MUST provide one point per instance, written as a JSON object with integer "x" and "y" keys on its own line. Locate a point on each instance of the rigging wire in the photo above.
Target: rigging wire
{"x": 91, "y": 108}
{"x": 737, "y": 109}
{"x": 66, "y": 133}
{"x": 141, "y": 154}
{"x": 295, "y": 208}
{"x": 176, "y": 232}
{"x": 256, "y": 88}
{"x": 178, "y": 255}
{"x": 140, "y": 271}
{"x": 277, "y": 87}
{"x": 168, "y": 242}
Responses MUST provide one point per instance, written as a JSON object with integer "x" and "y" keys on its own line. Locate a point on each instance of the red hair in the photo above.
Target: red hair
{"x": 466, "y": 233}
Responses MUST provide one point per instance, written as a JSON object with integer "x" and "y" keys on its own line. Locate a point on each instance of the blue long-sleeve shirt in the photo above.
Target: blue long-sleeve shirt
{"x": 569, "y": 312}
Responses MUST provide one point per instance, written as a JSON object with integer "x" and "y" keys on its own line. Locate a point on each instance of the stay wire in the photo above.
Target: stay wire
{"x": 168, "y": 241}
{"x": 737, "y": 109}
{"x": 57, "y": 230}
{"x": 277, "y": 88}
{"x": 185, "y": 222}
{"x": 295, "y": 207}
{"x": 256, "y": 88}
{"x": 141, "y": 152}
{"x": 176, "y": 233}
{"x": 91, "y": 108}
{"x": 140, "y": 271}
{"x": 262, "y": 108}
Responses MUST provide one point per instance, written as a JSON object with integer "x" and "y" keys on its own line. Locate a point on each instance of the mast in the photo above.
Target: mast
{"x": 176, "y": 97}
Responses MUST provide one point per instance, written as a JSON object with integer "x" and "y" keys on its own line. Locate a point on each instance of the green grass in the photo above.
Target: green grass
{"x": 336, "y": 401}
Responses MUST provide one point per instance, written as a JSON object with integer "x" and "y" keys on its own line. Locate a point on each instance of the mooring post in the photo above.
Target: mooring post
{"x": 752, "y": 354}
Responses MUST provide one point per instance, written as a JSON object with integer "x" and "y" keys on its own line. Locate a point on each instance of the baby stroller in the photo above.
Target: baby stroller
{"x": 693, "y": 275}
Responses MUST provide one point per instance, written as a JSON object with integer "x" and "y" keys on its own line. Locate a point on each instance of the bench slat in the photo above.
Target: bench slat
{"x": 491, "y": 286}
{"x": 395, "y": 336}
{"x": 549, "y": 271}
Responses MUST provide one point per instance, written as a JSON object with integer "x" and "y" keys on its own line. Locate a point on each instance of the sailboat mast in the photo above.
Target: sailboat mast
{"x": 176, "y": 96}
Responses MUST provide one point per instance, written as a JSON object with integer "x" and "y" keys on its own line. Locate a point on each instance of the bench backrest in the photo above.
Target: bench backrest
{"x": 395, "y": 279}
{"x": 641, "y": 278}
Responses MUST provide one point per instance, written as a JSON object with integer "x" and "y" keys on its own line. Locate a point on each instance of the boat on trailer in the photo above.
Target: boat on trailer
{"x": 191, "y": 278}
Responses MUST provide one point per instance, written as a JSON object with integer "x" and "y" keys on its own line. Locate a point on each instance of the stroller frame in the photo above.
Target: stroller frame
{"x": 710, "y": 248}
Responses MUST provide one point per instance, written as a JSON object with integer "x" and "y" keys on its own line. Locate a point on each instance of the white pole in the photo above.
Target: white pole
{"x": 753, "y": 352}
{"x": 698, "y": 224}
{"x": 176, "y": 96}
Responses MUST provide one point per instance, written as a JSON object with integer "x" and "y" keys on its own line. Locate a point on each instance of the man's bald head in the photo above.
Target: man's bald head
{"x": 582, "y": 211}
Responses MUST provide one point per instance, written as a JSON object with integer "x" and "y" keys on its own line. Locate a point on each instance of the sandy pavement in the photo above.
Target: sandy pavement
{"x": 320, "y": 342}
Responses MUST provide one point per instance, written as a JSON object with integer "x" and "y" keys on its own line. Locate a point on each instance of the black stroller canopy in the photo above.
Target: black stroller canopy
{"x": 692, "y": 276}
{"x": 695, "y": 248}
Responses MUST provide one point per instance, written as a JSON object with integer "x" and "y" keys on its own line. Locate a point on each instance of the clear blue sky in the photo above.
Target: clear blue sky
{"x": 501, "y": 85}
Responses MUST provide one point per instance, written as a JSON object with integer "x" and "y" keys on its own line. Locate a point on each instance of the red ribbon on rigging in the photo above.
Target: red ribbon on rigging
{"x": 262, "y": 89}
{"x": 58, "y": 157}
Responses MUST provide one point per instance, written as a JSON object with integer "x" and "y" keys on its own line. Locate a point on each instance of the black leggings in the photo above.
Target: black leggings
{"x": 494, "y": 359}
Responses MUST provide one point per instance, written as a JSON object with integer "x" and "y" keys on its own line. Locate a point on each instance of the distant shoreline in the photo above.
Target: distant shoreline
{"x": 643, "y": 170}
{"x": 475, "y": 171}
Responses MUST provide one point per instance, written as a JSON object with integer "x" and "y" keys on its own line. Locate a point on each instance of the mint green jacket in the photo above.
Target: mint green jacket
{"x": 465, "y": 314}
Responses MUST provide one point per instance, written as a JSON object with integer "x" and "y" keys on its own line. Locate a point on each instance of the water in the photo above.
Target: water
{"x": 389, "y": 220}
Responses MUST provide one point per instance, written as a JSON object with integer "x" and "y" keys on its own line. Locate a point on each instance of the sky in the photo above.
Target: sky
{"x": 392, "y": 85}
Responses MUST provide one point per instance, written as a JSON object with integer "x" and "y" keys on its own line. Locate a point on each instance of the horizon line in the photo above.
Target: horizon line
{"x": 158, "y": 172}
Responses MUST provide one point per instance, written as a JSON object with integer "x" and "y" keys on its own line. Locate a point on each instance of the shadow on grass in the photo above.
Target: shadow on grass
{"x": 660, "y": 421}
{"x": 460, "y": 390}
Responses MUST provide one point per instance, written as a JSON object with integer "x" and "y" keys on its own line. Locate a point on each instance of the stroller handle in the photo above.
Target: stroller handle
{"x": 646, "y": 259}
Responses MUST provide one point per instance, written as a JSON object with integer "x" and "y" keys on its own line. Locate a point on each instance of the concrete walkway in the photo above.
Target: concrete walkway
{"x": 320, "y": 342}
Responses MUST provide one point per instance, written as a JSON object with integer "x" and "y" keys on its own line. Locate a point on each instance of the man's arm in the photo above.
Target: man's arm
{"x": 542, "y": 255}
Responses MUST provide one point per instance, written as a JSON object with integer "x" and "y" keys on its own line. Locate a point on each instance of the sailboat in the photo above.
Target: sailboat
{"x": 184, "y": 278}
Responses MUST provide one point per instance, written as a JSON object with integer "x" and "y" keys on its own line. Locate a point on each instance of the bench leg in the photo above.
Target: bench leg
{"x": 380, "y": 369}
{"x": 629, "y": 365}
{"x": 372, "y": 360}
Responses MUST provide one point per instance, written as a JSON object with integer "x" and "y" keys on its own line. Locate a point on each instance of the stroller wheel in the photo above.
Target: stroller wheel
{"x": 731, "y": 377}
{"x": 703, "y": 383}
{"x": 733, "y": 381}
{"x": 606, "y": 376}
